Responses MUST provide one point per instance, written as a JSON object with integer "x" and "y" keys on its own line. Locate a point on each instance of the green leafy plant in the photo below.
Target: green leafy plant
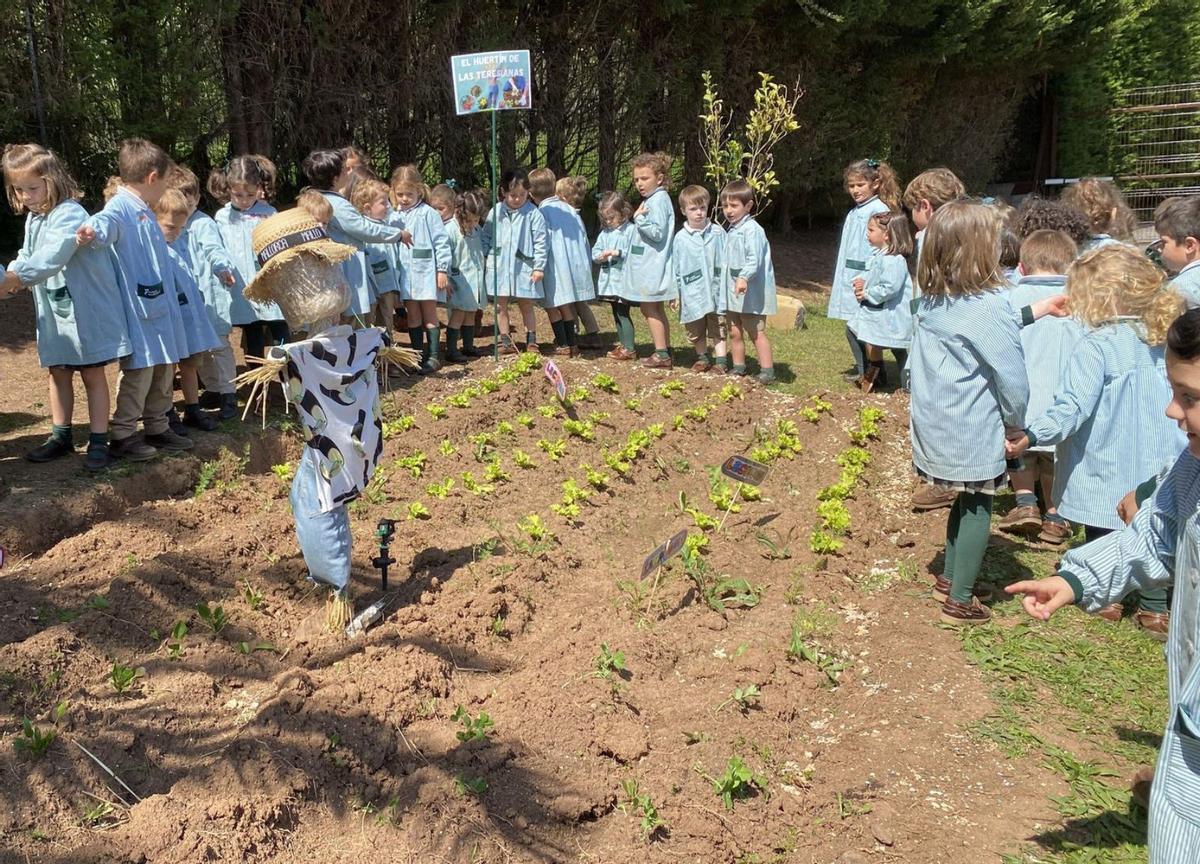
{"x": 547, "y": 410}
{"x": 737, "y": 783}
{"x": 835, "y": 517}
{"x": 253, "y": 597}
{"x": 474, "y": 728}
{"x": 470, "y": 785}
{"x": 617, "y": 464}
{"x": 534, "y": 528}
{"x": 730, "y": 391}
{"x": 579, "y": 393}
{"x": 495, "y": 472}
{"x": 554, "y": 449}
{"x": 488, "y": 385}
{"x": 213, "y": 616}
{"x": 581, "y": 429}
{"x": 474, "y": 486}
{"x": 175, "y": 643}
{"x": 122, "y": 677}
{"x": 401, "y": 424}
{"x": 525, "y": 420}
{"x": 639, "y": 804}
{"x": 596, "y": 479}
{"x": 821, "y": 543}
{"x": 573, "y": 492}
{"x": 417, "y": 510}
{"x": 701, "y": 519}
{"x": 523, "y": 460}
{"x": 744, "y": 697}
{"x": 633, "y": 404}
{"x": 777, "y": 548}
{"x": 604, "y": 382}
{"x": 440, "y": 490}
{"x": 720, "y": 492}
{"x": 608, "y": 662}
{"x": 437, "y": 412}
{"x": 672, "y": 386}
{"x": 868, "y": 424}
{"x": 446, "y": 448}
{"x": 414, "y": 463}
{"x": 32, "y": 741}
{"x": 459, "y": 400}
{"x": 678, "y": 422}
{"x": 718, "y": 592}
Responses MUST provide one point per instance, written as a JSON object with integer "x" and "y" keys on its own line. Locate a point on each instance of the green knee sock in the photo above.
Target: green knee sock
{"x": 1153, "y": 601}
{"x": 974, "y": 526}
{"x": 468, "y": 336}
{"x": 951, "y": 539}
{"x": 451, "y": 341}
{"x": 416, "y": 337}
{"x": 433, "y": 336}
{"x": 62, "y": 434}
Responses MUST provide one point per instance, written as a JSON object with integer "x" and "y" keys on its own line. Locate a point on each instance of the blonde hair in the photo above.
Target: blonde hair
{"x": 881, "y": 174}
{"x": 443, "y": 194}
{"x": 1104, "y": 206}
{"x": 961, "y": 252}
{"x": 1048, "y": 251}
{"x": 541, "y": 183}
{"x": 172, "y": 203}
{"x": 659, "y": 163}
{"x": 316, "y": 205}
{"x": 46, "y": 166}
{"x": 938, "y": 186}
{"x": 1117, "y": 280}
{"x": 364, "y": 192}
{"x": 691, "y": 195}
{"x": 572, "y": 189}
{"x": 408, "y": 178}
{"x": 111, "y": 185}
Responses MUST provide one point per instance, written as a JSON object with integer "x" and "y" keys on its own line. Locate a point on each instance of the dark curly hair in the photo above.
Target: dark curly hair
{"x": 1041, "y": 214}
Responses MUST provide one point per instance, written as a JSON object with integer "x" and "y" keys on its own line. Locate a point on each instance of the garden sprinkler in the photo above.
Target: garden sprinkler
{"x": 385, "y": 532}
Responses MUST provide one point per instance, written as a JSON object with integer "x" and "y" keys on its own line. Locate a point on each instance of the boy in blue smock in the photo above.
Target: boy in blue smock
{"x": 749, "y": 281}
{"x": 1177, "y": 223}
{"x": 1047, "y": 345}
{"x": 80, "y": 321}
{"x": 698, "y": 264}
{"x": 127, "y": 225}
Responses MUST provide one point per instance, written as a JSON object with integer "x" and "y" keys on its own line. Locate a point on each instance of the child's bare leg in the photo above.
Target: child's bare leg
{"x": 62, "y": 396}
{"x": 656, "y": 320}
{"x": 766, "y": 361}
{"x": 189, "y": 381}
{"x": 502, "y": 321}
{"x": 1046, "y": 479}
{"x": 96, "y": 385}
{"x": 583, "y": 311}
{"x": 737, "y": 347}
{"x": 527, "y": 316}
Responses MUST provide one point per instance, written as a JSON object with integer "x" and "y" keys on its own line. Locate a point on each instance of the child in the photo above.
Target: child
{"x": 316, "y": 205}
{"x": 172, "y": 211}
{"x": 1045, "y": 257}
{"x": 611, "y": 251}
{"x": 968, "y": 387}
{"x": 1109, "y": 216}
{"x": 80, "y": 321}
{"x": 150, "y": 298}
{"x": 214, "y": 274}
{"x": 568, "y": 263}
{"x": 244, "y": 187}
{"x": 572, "y": 191}
{"x": 1042, "y": 214}
{"x": 1010, "y": 243}
{"x": 698, "y": 265}
{"x": 873, "y": 187}
{"x": 924, "y": 195}
{"x": 884, "y": 294}
{"x": 523, "y": 249}
{"x": 1108, "y": 405}
{"x": 370, "y": 198}
{"x": 650, "y": 281}
{"x": 749, "y": 281}
{"x": 466, "y": 268}
{"x": 1157, "y": 550}
{"x": 426, "y": 263}
{"x": 1177, "y": 223}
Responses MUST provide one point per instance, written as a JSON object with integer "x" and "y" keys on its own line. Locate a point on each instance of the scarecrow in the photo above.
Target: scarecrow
{"x": 332, "y": 379}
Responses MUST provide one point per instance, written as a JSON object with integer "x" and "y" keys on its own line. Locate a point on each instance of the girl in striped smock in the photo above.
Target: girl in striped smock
{"x": 968, "y": 388}
{"x": 873, "y": 187}
{"x": 460, "y": 217}
{"x": 1160, "y": 548}
{"x": 1102, "y": 202}
{"x": 1107, "y": 413}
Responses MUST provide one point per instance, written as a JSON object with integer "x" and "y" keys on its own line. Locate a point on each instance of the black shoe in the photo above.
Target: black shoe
{"x": 229, "y": 408}
{"x": 470, "y": 351}
{"x": 168, "y": 440}
{"x": 97, "y": 458}
{"x": 132, "y": 448}
{"x": 455, "y": 357}
{"x": 175, "y": 424}
{"x": 49, "y": 451}
{"x": 210, "y": 400}
{"x": 199, "y": 420}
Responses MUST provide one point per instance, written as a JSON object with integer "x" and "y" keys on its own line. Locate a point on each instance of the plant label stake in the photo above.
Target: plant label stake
{"x": 655, "y": 561}
{"x": 741, "y": 470}
{"x": 556, "y": 378}
{"x": 385, "y": 532}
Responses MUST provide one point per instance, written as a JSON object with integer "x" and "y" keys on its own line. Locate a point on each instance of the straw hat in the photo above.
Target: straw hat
{"x": 279, "y": 239}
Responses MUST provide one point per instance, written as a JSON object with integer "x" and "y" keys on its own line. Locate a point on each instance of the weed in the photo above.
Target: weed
{"x": 777, "y": 549}
{"x": 484, "y": 443}
{"x": 737, "y": 783}
{"x": 486, "y": 549}
{"x": 800, "y": 647}
{"x": 744, "y": 697}
{"x": 440, "y": 490}
{"x": 100, "y": 603}
{"x": 204, "y": 481}
{"x": 499, "y": 626}
{"x": 253, "y": 597}
{"x": 470, "y": 785}
{"x": 639, "y": 804}
{"x": 437, "y": 412}
{"x": 33, "y": 741}
{"x": 285, "y": 471}
{"x": 122, "y": 677}
{"x": 608, "y": 662}
{"x": 523, "y": 460}
{"x": 417, "y": 510}
{"x": 719, "y": 592}
{"x": 213, "y": 616}
{"x": 251, "y": 647}
{"x": 446, "y": 448}
{"x": 175, "y": 644}
{"x": 604, "y": 382}
{"x": 98, "y": 816}
{"x": 474, "y": 728}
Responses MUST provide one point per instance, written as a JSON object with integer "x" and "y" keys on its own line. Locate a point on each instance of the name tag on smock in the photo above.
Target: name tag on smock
{"x": 854, "y": 264}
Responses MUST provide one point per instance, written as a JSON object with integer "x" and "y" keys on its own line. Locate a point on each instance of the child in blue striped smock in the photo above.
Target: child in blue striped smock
{"x": 698, "y": 262}
{"x": 1102, "y": 202}
{"x": 1108, "y": 408}
{"x": 81, "y": 325}
{"x": 885, "y": 295}
{"x": 873, "y": 187}
{"x": 514, "y": 238}
{"x": 1177, "y": 223}
{"x": 572, "y": 191}
{"x": 370, "y": 198}
{"x": 567, "y": 263}
{"x": 968, "y": 388}
{"x": 650, "y": 283}
{"x": 1160, "y": 548}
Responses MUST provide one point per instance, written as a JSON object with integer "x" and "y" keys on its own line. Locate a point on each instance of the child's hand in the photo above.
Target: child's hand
{"x": 1014, "y": 447}
{"x": 535, "y": 277}
{"x": 641, "y": 211}
{"x": 740, "y": 286}
{"x": 227, "y": 278}
{"x": 406, "y": 238}
{"x": 10, "y": 284}
{"x": 858, "y": 284}
{"x": 1043, "y": 597}
{"x": 85, "y": 235}
{"x": 443, "y": 282}
{"x": 1128, "y": 507}
{"x": 610, "y": 254}
{"x": 1057, "y": 306}
{"x": 674, "y": 304}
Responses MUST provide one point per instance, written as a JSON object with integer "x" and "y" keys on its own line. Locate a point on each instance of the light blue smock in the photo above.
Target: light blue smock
{"x": 429, "y": 254}
{"x": 76, "y": 291}
{"x": 569, "y": 265}
{"x": 209, "y": 259}
{"x": 127, "y": 226}
{"x": 698, "y": 266}
{"x": 650, "y": 276}
{"x": 852, "y": 255}
{"x": 523, "y": 247}
{"x": 613, "y": 276}
{"x": 1187, "y": 283}
{"x": 236, "y": 226}
{"x": 197, "y": 328}
{"x": 466, "y": 268}
{"x": 380, "y": 269}
{"x": 884, "y": 318}
{"x": 748, "y": 256}
{"x": 352, "y": 228}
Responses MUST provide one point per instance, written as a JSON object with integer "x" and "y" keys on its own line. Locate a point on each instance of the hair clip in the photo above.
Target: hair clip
{"x": 873, "y": 164}
{"x": 451, "y": 182}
